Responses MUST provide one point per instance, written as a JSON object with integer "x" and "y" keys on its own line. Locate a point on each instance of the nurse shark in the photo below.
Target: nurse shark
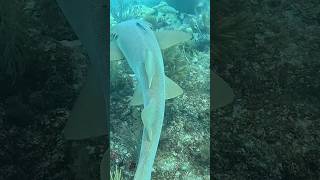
{"x": 141, "y": 47}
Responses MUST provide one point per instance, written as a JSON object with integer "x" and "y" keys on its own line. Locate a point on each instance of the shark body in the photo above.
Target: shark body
{"x": 140, "y": 47}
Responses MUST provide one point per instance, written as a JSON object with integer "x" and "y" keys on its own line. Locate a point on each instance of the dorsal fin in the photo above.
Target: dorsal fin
{"x": 149, "y": 67}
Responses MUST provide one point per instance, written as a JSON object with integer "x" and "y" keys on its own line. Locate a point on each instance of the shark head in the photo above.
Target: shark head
{"x": 129, "y": 31}
{"x": 136, "y": 39}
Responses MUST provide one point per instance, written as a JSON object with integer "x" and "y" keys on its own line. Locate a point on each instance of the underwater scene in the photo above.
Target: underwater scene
{"x": 262, "y": 72}
{"x": 181, "y": 123}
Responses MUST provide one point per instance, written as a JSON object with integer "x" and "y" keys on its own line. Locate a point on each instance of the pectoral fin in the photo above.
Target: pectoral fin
{"x": 147, "y": 116}
{"x": 88, "y": 116}
{"x": 172, "y": 89}
{"x": 222, "y": 92}
{"x": 167, "y": 39}
{"x": 115, "y": 52}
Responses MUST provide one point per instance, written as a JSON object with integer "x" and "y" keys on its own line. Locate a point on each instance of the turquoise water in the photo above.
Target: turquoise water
{"x": 183, "y": 150}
